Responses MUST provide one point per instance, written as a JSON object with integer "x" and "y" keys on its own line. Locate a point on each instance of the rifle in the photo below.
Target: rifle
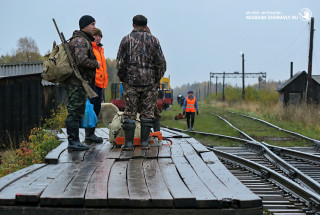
{"x": 87, "y": 88}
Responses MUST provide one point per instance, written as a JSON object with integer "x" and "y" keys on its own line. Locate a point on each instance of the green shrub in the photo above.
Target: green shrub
{"x": 34, "y": 150}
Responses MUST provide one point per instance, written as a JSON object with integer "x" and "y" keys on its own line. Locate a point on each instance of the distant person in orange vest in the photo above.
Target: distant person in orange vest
{"x": 190, "y": 106}
{"x": 101, "y": 82}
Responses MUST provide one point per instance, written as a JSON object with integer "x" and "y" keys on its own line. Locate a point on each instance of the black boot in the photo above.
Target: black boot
{"x": 91, "y": 137}
{"x": 146, "y": 125}
{"x": 73, "y": 137}
{"x": 128, "y": 127}
{"x": 156, "y": 125}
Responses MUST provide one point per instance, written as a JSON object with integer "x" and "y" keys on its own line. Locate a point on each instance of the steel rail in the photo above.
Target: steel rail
{"x": 292, "y": 172}
{"x": 275, "y": 149}
{"x": 310, "y": 198}
{"x": 315, "y": 141}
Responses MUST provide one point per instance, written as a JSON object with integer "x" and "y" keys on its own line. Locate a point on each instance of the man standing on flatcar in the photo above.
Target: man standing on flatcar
{"x": 190, "y": 106}
{"x": 81, "y": 50}
{"x": 141, "y": 64}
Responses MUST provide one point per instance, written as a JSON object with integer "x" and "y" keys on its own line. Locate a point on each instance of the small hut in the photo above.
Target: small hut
{"x": 293, "y": 91}
{"x": 25, "y": 98}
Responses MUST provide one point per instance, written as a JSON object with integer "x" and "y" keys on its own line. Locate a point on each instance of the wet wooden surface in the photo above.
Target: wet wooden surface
{"x": 185, "y": 175}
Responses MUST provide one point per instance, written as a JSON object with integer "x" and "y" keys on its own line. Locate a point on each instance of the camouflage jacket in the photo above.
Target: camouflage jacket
{"x": 81, "y": 50}
{"x": 140, "y": 61}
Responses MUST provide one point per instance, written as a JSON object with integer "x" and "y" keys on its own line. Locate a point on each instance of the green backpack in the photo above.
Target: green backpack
{"x": 56, "y": 65}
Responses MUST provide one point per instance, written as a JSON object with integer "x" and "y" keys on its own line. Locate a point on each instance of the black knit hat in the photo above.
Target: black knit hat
{"x": 85, "y": 21}
{"x": 140, "y": 20}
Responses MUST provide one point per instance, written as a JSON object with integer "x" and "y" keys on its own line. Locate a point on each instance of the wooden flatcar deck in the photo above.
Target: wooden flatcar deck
{"x": 178, "y": 179}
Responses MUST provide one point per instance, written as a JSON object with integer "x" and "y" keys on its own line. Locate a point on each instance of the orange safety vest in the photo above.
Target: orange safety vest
{"x": 102, "y": 77}
{"x": 190, "y": 107}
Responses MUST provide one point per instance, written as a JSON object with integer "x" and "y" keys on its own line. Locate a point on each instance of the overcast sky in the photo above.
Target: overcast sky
{"x": 197, "y": 37}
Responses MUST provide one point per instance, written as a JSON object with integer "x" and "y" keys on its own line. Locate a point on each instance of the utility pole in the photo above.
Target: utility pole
{"x": 208, "y": 92}
{"x": 216, "y": 86}
{"x": 309, "y": 77}
{"x": 291, "y": 69}
{"x": 199, "y": 93}
{"x": 223, "y": 97}
{"x": 243, "y": 88}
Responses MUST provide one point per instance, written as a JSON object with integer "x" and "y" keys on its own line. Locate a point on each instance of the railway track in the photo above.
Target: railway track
{"x": 297, "y": 166}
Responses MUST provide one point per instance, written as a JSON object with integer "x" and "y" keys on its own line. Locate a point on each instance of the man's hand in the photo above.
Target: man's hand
{"x": 99, "y": 64}
{"x": 197, "y": 112}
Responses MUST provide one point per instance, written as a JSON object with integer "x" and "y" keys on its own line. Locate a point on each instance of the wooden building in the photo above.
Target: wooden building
{"x": 293, "y": 91}
{"x": 25, "y": 99}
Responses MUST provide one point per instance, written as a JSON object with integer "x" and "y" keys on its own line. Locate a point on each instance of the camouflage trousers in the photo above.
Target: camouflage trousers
{"x": 157, "y": 112}
{"x": 139, "y": 99}
{"x": 76, "y": 103}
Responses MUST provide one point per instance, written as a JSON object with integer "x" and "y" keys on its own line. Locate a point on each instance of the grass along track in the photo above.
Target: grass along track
{"x": 262, "y": 132}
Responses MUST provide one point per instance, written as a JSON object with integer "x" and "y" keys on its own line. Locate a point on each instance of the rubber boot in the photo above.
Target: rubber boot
{"x": 73, "y": 137}
{"x": 146, "y": 125}
{"x": 156, "y": 125}
{"x": 91, "y": 137}
{"x": 128, "y": 126}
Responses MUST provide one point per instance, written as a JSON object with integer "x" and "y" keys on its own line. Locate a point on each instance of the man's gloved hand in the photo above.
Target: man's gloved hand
{"x": 197, "y": 112}
{"x": 184, "y": 113}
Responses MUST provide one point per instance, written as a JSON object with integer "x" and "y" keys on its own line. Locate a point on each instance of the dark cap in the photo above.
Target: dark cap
{"x": 140, "y": 20}
{"x": 85, "y": 21}
{"x": 97, "y": 31}
{"x": 190, "y": 91}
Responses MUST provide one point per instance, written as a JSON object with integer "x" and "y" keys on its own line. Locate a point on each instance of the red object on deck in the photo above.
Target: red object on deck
{"x": 168, "y": 101}
{"x": 119, "y": 103}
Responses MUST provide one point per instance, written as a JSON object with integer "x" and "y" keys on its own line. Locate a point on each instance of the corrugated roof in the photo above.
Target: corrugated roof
{"x": 316, "y": 78}
{"x": 284, "y": 84}
{"x": 19, "y": 69}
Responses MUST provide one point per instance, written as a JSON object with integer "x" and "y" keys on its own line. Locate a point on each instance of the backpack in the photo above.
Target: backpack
{"x": 56, "y": 65}
{"x": 115, "y": 129}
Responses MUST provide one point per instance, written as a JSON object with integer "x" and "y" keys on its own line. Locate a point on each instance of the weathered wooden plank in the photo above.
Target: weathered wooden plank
{"x": 118, "y": 194}
{"x": 11, "y": 178}
{"x": 242, "y": 193}
{"x": 157, "y": 187}
{"x": 180, "y": 193}
{"x": 152, "y": 152}
{"x": 138, "y": 190}
{"x": 216, "y": 187}
{"x": 204, "y": 198}
{"x": 76, "y": 189}
{"x": 97, "y": 190}
{"x": 176, "y": 150}
{"x": 58, "y": 185}
{"x": 101, "y": 133}
{"x": 198, "y": 147}
{"x": 114, "y": 153}
{"x": 175, "y": 133}
{"x": 91, "y": 154}
{"x": 139, "y": 153}
{"x": 103, "y": 152}
{"x": 164, "y": 151}
{"x": 53, "y": 156}
{"x": 82, "y": 134}
{"x": 8, "y": 194}
{"x": 68, "y": 156}
{"x": 29, "y": 210}
{"x": 126, "y": 154}
{"x": 105, "y": 130}
{"x": 32, "y": 192}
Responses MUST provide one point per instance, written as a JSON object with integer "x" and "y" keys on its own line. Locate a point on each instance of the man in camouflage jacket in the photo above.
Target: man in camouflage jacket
{"x": 81, "y": 50}
{"x": 141, "y": 65}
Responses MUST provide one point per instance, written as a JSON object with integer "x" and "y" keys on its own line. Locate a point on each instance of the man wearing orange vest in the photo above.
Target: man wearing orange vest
{"x": 101, "y": 82}
{"x": 190, "y": 106}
